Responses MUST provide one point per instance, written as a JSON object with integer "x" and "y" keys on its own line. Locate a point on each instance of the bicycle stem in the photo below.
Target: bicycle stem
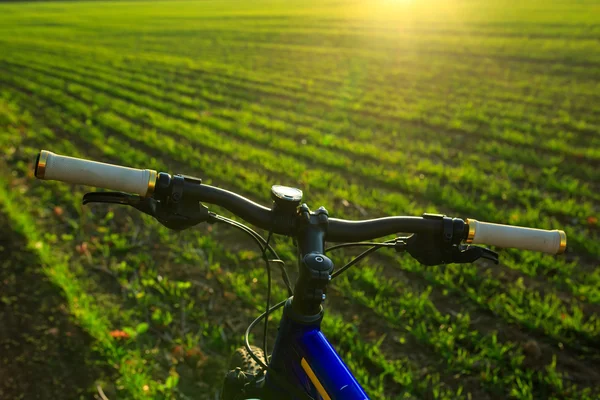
{"x": 315, "y": 267}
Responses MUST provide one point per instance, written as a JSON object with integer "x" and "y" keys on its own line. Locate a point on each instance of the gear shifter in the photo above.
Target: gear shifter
{"x": 469, "y": 254}
{"x": 430, "y": 252}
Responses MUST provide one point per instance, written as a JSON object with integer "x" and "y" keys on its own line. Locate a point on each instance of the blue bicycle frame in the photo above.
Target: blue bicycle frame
{"x": 303, "y": 355}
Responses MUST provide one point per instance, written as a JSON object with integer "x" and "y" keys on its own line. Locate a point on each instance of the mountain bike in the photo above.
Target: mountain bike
{"x": 303, "y": 364}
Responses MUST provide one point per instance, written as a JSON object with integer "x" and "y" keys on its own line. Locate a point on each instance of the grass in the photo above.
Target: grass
{"x": 486, "y": 110}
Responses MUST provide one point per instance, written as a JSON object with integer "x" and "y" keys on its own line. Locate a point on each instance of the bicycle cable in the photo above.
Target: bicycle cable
{"x": 265, "y": 331}
{"x": 262, "y": 243}
{"x": 361, "y": 255}
{"x": 283, "y": 382}
{"x": 258, "y": 239}
{"x": 376, "y": 244}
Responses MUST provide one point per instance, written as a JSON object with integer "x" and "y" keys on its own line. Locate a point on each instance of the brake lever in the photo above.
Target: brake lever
{"x": 110, "y": 197}
{"x": 178, "y": 216}
{"x": 147, "y": 205}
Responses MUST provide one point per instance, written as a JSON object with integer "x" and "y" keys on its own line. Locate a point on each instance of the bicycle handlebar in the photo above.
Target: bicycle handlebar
{"x": 339, "y": 230}
{"x": 51, "y": 166}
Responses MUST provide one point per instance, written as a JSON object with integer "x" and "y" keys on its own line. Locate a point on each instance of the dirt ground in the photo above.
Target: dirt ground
{"x": 43, "y": 355}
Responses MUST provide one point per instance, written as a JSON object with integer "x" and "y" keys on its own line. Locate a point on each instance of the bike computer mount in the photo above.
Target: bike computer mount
{"x": 285, "y": 197}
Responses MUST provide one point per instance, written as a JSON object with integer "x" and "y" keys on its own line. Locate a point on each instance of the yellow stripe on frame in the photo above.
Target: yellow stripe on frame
{"x": 313, "y": 378}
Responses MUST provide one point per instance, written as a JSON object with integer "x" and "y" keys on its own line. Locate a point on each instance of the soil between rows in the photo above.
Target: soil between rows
{"x": 44, "y": 354}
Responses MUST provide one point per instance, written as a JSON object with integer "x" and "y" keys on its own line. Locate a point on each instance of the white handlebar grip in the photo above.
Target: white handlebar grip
{"x": 518, "y": 237}
{"x": 52, "y": 166}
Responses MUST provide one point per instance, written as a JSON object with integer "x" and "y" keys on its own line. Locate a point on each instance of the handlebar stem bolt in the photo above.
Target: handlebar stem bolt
{"x": 322, "y": 215}
{"x": 321, "y": 210}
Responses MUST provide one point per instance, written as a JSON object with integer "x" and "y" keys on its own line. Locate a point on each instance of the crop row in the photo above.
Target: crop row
{"x": 410, "y": 81}
{"x": 565, "y": 184}
{"x": 409, "y": 86}
{"x": 370, "y": 65}
{"x": 346, "y": 22}
{"x": 412, "y": 104}
{"x": 236, "y": 89}
{"x": 288, "y": 147}
{"x": 550, "y": 325}
{"x": 499, "y": 364}
{"x": 574, "y": 54}
{"x": 449, "y": 174}
{"x": 235, "y": 96}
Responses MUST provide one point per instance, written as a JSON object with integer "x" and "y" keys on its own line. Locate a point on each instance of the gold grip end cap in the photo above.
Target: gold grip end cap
{"x": 563, "y": 242}
{"x": 40, "y": 164}
{"x": 151, "y": 182}
{"x": 471, "y": 234}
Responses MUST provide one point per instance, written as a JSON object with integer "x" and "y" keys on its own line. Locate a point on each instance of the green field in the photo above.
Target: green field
{"x": 486, "y": 109}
